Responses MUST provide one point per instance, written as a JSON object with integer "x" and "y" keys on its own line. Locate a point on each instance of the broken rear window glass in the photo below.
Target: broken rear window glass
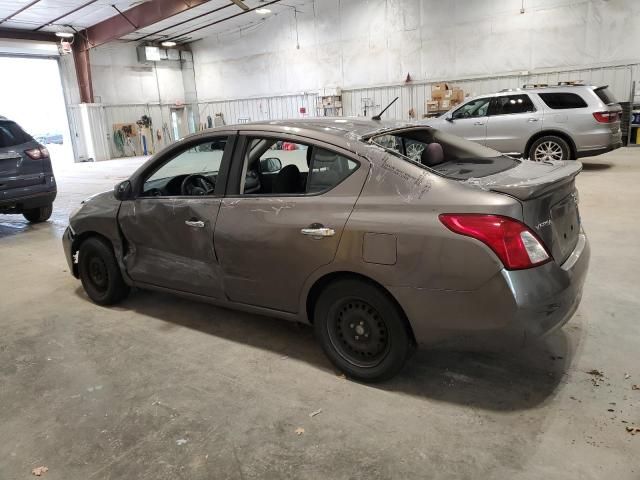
{"x": 450, "y": 156}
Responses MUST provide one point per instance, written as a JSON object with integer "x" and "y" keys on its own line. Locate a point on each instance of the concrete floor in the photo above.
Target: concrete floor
{"x": 166, "y": 388}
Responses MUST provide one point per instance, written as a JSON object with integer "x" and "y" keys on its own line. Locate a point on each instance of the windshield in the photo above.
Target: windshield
{"x": 443, "y": 153}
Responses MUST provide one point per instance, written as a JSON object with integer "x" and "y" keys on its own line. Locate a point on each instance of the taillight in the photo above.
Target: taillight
{"x": 37, "y": 153}
{"x": 607, "y": 117}
{"x": 512, "y": 241}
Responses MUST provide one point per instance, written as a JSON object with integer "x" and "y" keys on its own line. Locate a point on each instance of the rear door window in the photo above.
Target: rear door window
{"x": 562, "y": 100}
{"x": 605, "y": 95}
{"x": 11, "y": 134}
{"x": 508, "y": 104}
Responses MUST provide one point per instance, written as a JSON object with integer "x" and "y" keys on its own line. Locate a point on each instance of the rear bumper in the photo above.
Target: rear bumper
{"x": 18, "y": 204}
{"x": 519, "y": 303}
{"x": 599, "y": 151}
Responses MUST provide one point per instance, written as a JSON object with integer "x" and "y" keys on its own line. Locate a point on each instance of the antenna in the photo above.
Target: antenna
{"x": 379, "y": 116}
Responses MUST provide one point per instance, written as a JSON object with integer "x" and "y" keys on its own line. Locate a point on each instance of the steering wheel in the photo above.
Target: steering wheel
{"x": 196, "y": 184}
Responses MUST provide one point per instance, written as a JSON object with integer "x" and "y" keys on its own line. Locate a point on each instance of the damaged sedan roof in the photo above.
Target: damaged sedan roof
{"x": 331, "y": 128}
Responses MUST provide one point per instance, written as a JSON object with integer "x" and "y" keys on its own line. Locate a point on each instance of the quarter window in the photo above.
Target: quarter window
{"x": 508, "y": 104}
{"x": 563, "y": 100}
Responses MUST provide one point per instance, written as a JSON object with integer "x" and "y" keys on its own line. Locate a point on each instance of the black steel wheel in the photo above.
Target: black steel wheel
{"x": 100, "y": 273}
{"x": 362, "y": 330}
{"x": 358, "y": 332}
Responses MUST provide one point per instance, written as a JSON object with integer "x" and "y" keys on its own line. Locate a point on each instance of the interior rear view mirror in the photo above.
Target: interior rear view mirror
{"x": 270, "y": 165}
{"x": 123, "y": 190}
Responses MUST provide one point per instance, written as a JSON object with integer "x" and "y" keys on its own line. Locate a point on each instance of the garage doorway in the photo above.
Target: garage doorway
{"x": 31, "y": 95}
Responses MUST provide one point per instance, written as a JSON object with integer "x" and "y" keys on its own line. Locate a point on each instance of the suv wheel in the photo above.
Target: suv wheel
{"x": 100, "y": 273}
{"x": 37, "y": 215}
{"x": 361, "y": 330}
{"x": 548, "y": 148}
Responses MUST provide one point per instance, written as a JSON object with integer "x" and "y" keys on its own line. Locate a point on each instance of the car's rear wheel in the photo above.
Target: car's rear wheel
{"x": 37, "y": 215}
{"x": 362, "y": 330}
{"x": 99, "y": 272}
{"x": 549, "y": 148}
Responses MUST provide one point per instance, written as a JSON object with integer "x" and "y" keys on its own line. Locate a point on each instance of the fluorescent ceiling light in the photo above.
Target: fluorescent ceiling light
{"x": 263, "y": 11}
{"x": 64, "y": 35}
{"x": 168, "y": 44}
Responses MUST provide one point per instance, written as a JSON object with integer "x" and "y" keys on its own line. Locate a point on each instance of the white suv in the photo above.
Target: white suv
{"x": 549, "y": 123}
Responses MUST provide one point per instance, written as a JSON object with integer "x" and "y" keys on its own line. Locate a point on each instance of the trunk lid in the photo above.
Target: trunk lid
{"x": 549, "y": 201}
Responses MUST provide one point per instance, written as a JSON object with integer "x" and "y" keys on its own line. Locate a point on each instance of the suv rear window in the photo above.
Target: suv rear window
{"x": 605, "y": 95}
{"x": 563, "y": 100}
{"x": 11, "y": 134}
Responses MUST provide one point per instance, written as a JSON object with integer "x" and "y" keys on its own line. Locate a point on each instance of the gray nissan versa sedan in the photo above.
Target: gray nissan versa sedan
{"x": 330, "y": 222}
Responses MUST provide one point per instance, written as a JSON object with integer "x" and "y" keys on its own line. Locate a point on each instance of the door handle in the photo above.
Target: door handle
{"x": 318, "y": 232}
{"x": 531, "y": 120}
{"x": 479, "y": 123}
{"x": 195, "y": 223}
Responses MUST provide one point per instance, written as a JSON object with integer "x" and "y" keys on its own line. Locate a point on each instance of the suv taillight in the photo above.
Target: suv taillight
{"x": 512, "y": 241}
{"x": 607, "y": 117}
{"x": 37, "y": 153}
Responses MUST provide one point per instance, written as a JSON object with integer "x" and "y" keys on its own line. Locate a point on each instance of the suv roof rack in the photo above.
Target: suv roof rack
{"x": 566, "y": 83}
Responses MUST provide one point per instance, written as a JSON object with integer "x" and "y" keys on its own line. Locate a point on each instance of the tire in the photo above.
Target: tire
{"x": 99, "y": 272}
{"x": 361, "y": 330}
{"x": 37, "y": 215}
{"x": 549, "y": 147}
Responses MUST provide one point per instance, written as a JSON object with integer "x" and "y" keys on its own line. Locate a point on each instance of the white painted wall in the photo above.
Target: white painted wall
{"x": 355, "y": 43}
{"x": 118, "y": 77}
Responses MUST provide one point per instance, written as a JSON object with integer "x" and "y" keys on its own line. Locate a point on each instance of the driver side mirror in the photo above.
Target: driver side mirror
{"x": 123, "y": 190}
{"x": 270, "y": 165}
{"x": 449, "y": 118}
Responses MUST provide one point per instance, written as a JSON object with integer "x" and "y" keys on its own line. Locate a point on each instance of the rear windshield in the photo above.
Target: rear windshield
{"x": 11, "y": 134}
{"x": 448, "y": 155}
{"x": 563, "y": 100}
{"x": 605, "y": 95}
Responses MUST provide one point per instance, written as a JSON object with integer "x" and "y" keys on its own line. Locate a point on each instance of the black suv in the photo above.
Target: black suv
{"x": 27, "y": 184}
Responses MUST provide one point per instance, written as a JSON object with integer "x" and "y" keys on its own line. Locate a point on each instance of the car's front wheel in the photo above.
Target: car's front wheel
{"x": 548, "y": 148}
{"x": 37, "y": 215}
{"x": 362, "y": 330}
{"x": 99, "y": 272}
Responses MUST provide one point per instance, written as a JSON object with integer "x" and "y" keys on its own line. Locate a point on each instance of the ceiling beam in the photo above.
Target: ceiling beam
{"x": 135, "y": 18}
{"x": 240, "y": 4}
{"x": 15, "y": 34}
{"x": 261, "y": 5}
{"x": 50, "y": 22}
{"x": 17, "y": 12}
{"x": 170, "y": 27}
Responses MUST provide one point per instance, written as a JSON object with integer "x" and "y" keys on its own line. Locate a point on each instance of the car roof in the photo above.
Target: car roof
{"x": 340, "y": 131}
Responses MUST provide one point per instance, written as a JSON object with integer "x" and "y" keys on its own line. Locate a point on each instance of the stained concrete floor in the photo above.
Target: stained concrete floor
{"x": 164, "y": 388}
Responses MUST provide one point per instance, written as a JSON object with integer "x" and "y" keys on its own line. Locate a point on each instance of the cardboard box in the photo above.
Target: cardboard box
{"x": 438, "y": 90}
{"x": 457, "y": 95}
{"x": 431, "y": 105}
{"x": 444, "y": 104}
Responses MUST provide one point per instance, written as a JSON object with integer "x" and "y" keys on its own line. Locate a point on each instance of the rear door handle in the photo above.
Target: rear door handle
{"x": 532, "y": 120}
{"x": 318, "y": 232}
{"x": 195, "y": 223}
{"x": 479, "y": 123}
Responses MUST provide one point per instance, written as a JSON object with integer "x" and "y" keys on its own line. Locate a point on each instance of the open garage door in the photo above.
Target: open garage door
{"x": 31, "y": 95}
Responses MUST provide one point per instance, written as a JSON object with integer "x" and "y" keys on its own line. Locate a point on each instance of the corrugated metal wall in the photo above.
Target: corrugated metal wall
{"x": 414, "y": 96}
{"x": 255, "y": 109}
{"x": 356, "y": 102}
